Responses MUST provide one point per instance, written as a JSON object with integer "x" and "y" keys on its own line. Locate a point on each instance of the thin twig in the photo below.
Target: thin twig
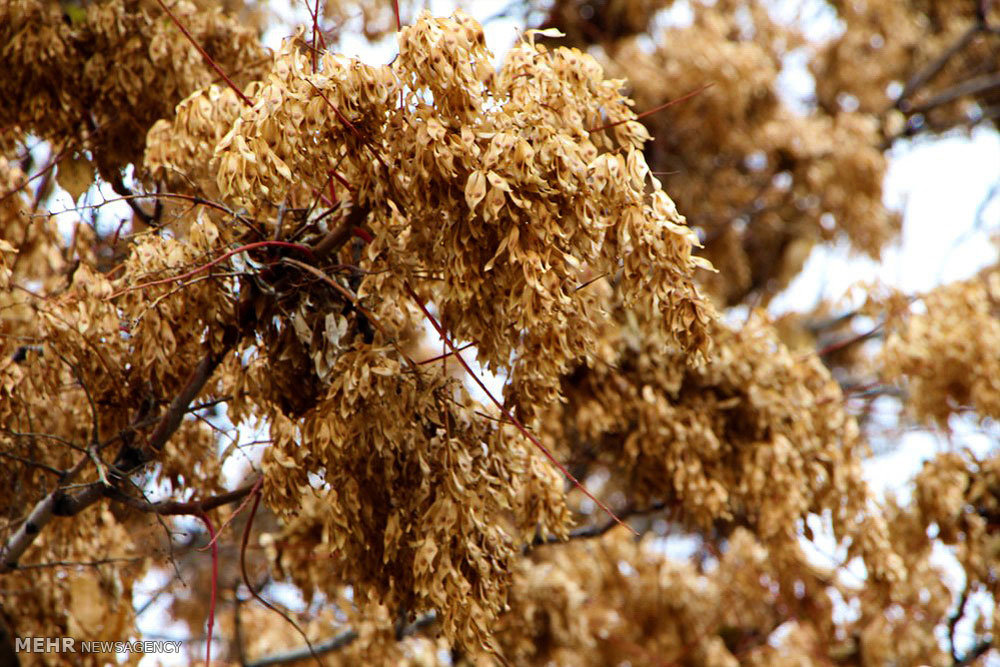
{"x": 517, "y": 424}
{"x": 30, "y": 462}
{"x": 444, "y": 355}
{"x": 923, "y": 76}
{"x": 650, "y": 112}
{"x": 979, "y": 84}
{"x": 335, "y": 643}
{"x": 204, "y": 54}
{"x": 255, "y": 594}
{"x": 215, "y": 581}
{"x": 589, "y": 532}
{"x": 204, "y": 267}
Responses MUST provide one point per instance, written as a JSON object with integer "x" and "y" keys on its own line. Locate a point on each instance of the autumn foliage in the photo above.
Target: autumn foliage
{"x": 323, "y": 255}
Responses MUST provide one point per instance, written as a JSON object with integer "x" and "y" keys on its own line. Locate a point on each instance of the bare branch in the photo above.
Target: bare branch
{"x": 956, "y": 617}
{"x": 81, "y": 563}
{"x": 335, "y": 643}
{"x": 36, "y": 464}
{"x": 979, "y": 84}
{"x": 57, "y": 503}
{"x": 923, "y": 76}
{"x": 174, "y": 508}
{"x": 589, "y": 532}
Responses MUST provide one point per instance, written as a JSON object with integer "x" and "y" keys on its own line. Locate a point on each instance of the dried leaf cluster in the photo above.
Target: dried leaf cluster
{"x": 870, "y": 65}
{"x": 762, "y": 180}
{"x": 101, "y": 79}
{"x": 304, "y": 232}
{"x": 946, "y": 354}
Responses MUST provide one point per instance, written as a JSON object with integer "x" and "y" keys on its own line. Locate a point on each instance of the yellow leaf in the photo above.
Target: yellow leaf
{"x": 475, "y": 189}
{"x": 75, "y": 175}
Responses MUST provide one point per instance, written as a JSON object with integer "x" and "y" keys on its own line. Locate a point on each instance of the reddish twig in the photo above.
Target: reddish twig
{"x": 444, "y": 355}
{"x": 215, "y": 580}
{"x": 45, "y": 170}
{"x": 342, "y": 181}
{"x": 246, "y": 579}
{"x": 520, "y": 427}
{"x": 314, "y": 12}
{"x": 195, "y": 200}
{"x": 671, "y": 103}
{"x": 204, "y": 54}
{"x": 250, "y": 246}
{"x": 850, "y": 340}
{"x": 254, "y": 490}
{"x": 343, "y": 119}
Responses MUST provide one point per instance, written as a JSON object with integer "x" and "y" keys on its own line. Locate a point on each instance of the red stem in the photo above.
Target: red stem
{"x": 654, "y": 109}
{"x": 246, "y": 579}
{"x": 315, "y": 17}
{"x": 444, "y": 355}
{"x": 343, "y": 119}
{"x": 215, "y": 580}
{"x": 204, "y": 54}
{"x": 46, "y": 169}
{"x": 520, "y": 427}
{"x": 363, "y": 234}
{"x": 253, "y": 491}
{"x": 203, "y": 267}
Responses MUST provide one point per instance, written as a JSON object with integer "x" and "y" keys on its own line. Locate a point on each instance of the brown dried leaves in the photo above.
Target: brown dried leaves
{"x": 101, "y": 82}
{"x": 948, "y": 354}
{"x": 490, "y": 182}
{"x": 418, "y": 492}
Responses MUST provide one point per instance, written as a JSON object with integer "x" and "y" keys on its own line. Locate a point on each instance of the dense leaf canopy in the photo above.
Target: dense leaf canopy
{"x": 599, "y": 217}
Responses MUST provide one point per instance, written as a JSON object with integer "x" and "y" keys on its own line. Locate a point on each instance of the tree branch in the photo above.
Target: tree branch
{"x": 335, "y": 643}
{"x": 174, "y": 508}
{"x": 57, "y": 503}
{"x": 589, "y": 532}
{"x": 130, "y": 458}
{"x": 923, "y": 76}
{"x": 82, "y": 563}
{"x": 955, "y": 618}
{"x": 971, "y": 86}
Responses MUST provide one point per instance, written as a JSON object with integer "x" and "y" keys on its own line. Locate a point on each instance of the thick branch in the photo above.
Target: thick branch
{"x": 57, "y": 503}
{"x": 955, "y": 618}
{"x": 173, "y": 508}
{"x": 339, "y": 235}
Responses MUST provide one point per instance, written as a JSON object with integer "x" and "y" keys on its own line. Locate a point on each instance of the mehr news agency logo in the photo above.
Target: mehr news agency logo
{"x": 71, "y": 645}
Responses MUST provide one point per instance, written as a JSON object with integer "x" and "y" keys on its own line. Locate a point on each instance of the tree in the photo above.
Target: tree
{"x": 312, "y": 243}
